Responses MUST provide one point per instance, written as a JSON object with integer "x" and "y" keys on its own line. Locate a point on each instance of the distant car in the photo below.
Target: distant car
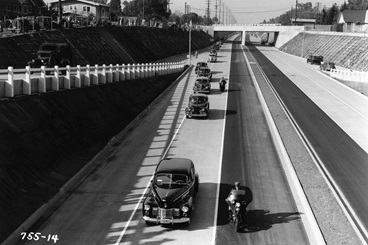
{"x": 199, "y": 65}
{"x": 213, "y": 52}
{"x": 202, "y": 85}
{"x": 52, "y": 54}
{"x": 314, "y": 59}
{"x": 198, "y": 106}
{"x": 327, "y": 66}
{"x": 212, "y": 58}
{"x": 204, "y": 72}
{"x": 173, "y": 193}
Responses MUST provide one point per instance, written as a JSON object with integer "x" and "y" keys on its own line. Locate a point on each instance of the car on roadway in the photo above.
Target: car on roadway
{"x": 213, "y": 52}
{"x": 52, "y": 54}
{"x": 202, "y": 85}
{"x": 204, "y": 72}
{"x": 315, "y": 59}
{"x": 199, "y": 65}
{"x": 173, "y": 192}
{"x": 198, "y": 106}
{"x": 212, "y": 58}
{"x": 327, "y": 66}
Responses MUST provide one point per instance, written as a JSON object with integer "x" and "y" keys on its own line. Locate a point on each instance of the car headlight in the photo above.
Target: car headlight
{"x": 147, "y": 207}
{"x": 184, "y": 209}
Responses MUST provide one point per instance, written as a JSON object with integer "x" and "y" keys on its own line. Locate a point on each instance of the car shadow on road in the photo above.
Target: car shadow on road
{"x": 216, "y": 114}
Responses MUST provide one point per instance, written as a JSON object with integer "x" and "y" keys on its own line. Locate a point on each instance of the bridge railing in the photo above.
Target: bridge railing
{"x": 25, "y": 82}
{"x": 348, "y": 75}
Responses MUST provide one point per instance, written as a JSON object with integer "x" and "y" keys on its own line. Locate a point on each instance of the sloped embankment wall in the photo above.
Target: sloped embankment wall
{"x": 104, "y": 45}
{"x": 345, "y": 50}
{"x": 46, "y": 138}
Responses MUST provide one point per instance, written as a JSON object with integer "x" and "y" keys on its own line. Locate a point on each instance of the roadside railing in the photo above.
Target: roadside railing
{"x": 40, "y": 80}
{"x": 348, "y": 75}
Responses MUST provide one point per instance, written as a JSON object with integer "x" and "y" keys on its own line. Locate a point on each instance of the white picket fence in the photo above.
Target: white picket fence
{"x": 348, "y": 75}
{"x": 77, "y": 77}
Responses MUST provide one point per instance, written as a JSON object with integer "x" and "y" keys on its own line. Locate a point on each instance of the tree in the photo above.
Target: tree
{"x": 115, "y": 8}
{"x": 332, "y": 14}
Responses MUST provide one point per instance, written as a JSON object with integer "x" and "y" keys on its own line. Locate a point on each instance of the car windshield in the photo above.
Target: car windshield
{"x": 168, "y": 179}
{"x": 202, "y": 81}
{"x": 198, "y": 100}
{"x": 49, "y": 48}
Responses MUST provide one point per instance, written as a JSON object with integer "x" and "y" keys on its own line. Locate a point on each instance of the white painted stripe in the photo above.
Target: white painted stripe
{"x": 220, "y": 163}
{"x": 146, "y": 189}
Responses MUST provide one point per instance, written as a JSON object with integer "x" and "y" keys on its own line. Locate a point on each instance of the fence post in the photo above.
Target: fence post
{"x": 122, "y": 73}
{"x": 117, "y": 79}
{"x": 55, "y": 79}
{"x": 103, "y": 77}
{"x": 110, "y": 74}
{"x": 42, "y": 80}
{"x": 128, "y": 72}
{"x": 9, "y": 85}
{"x": 87, "y": 76}
{"x": 95, "y": 77}
{"x": 27, "y": 84}
{"x": 78, "y": 80}
{"x": 67, "y": 82}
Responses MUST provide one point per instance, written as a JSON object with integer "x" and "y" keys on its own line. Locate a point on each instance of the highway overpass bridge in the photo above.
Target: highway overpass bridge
{"x": 281, "y": 34}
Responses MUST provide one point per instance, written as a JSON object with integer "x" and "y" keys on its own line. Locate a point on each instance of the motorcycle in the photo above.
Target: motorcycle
{"x": 237, "y": 210}
{"x": 222, "y": 84}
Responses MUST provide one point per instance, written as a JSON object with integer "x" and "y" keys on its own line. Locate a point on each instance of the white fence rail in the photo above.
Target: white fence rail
{"x": 348, "y": 75}
{"x": 77, "y": 77}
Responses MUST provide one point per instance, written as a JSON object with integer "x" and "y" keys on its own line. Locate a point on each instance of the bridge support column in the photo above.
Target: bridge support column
{"x": 243, "y": 37}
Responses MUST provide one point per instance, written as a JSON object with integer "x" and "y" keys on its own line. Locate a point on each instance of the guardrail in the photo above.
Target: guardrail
{"x": 348, "y": 75}
{"x": 77, "y": 77}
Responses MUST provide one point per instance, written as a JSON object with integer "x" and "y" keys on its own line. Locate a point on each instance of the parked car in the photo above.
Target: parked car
{"x": 52, "y": 54}
{"x": 173, "y": 192}
{"x": 212, "y": 58}
{"x": 327, "y": 66}
{"x": 199, "y": 65}
{"x": 204, "y": 72}
{"x": 202, "y": 85}
{"x": 198, "y": 106}
{"x": 314, "y": 59}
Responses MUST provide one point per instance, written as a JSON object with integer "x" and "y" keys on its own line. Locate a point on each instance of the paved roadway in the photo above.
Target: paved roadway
{"x": 105, "y": 209}
{"x": 338, "y": 132}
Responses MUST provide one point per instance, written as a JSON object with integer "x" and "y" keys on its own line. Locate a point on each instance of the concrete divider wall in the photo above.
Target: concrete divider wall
{"x": 91, "y": 76}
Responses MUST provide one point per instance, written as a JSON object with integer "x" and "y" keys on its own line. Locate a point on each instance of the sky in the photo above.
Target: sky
{"x": 246, "y": 11}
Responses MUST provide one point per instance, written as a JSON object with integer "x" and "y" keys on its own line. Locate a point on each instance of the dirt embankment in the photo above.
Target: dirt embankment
{"x": 46, "y": 138}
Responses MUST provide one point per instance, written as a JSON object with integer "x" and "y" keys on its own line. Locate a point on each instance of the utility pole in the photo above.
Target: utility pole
{"x": 208, "y": 9}
{"x": 216, "y": 10}
{"x": 296, "y": 11}
{"x": 185, "y": 8}
{"x": 219, "y": 12}
{"x": 223, "y": 12}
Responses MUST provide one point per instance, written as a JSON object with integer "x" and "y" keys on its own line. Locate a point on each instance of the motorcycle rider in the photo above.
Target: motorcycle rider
{"x": 222, "y": 83}
{"x": 236, "y": 194}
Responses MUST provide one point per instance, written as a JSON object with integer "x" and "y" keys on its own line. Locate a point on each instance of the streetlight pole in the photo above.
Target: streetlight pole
{"x": 190, "y": 42}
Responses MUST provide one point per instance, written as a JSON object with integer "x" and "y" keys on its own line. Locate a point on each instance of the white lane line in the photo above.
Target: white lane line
{"x": 146, "y": 189}
{"x": 220, "y": 164}
{"x": 310, "y": 223}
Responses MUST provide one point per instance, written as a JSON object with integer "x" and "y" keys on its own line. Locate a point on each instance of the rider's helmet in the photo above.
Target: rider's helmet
{"x": 237, "y": 185}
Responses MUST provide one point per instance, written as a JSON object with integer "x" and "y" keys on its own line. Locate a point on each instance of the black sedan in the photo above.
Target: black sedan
{"x": 173, "y": 192}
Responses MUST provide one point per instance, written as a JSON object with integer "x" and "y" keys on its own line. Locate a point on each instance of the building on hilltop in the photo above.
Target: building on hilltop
{"x": 82, "y": 9}
{"x": 11, "y": 9}
{"x": 354, "y": 20}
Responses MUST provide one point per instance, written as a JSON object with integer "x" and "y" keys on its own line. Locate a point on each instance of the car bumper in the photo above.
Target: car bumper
{"x": 166, "y": 221}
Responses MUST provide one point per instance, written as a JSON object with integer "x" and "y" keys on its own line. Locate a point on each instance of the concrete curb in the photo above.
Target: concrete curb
{"x": 310, "y": 223}
{"x": 82, "y": 174}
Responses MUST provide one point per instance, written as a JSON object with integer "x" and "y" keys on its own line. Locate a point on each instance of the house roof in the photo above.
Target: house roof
{"x": 81, "y": 1}
{"x": 353, "y": 16}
